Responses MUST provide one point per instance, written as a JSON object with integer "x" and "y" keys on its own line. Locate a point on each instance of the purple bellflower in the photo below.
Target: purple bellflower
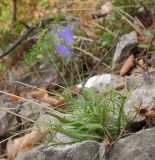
{"x": 67, "y": 35}
{"x": 63, "y": 50}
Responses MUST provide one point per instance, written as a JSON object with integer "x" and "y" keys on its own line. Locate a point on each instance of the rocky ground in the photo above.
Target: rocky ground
{"x": 33, "y": 102}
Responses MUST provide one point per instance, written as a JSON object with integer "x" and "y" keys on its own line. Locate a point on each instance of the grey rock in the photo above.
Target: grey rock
{"x": 133, "y": 81}
{"x": 143, "y": 97}
{"x": 152, "y": 60}
{"x": 87, "y": 150}
{"x": 115, "y": 80}
{"x": 124, "y": 46}
{"x": 44, "y": 73}
{"x": 31, "y": 109}
{"x": 103, "y": 82}
{"x": 48, "y": 120}
{"x": 139, "y": 146}
{"x": 37, "y": 153}
{"x": 8, "y": 121}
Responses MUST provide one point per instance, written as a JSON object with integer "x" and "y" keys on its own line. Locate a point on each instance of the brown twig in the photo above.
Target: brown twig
{"x": 25, "y": 35}
{"x": 146, "y": 58}
{"x": 17, "y": 42}
{"x": 24, "y": 24}
{"x": 14, "y": 11}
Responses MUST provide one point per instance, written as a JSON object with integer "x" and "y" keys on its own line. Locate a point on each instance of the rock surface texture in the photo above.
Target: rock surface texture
{"x": 139, "y": 146}
{"x": 142, "y": 97}
{"x": 8, "y": 121}
{"x": 126, "y": 43}
{"x": 101, "y": 83}
{"x": 87, "y": 150}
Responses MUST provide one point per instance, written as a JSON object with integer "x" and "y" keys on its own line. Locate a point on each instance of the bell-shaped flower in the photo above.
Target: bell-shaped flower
{"x": 63, "y": 50}
{"x": 67, "y": 35}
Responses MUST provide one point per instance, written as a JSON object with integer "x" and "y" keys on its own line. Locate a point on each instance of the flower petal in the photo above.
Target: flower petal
{"x": 63, "y": 50}
{"x": 67, "y": 35}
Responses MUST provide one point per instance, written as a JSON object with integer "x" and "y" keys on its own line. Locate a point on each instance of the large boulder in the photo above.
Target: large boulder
{"x": 88, "y": 150}
{"x": 139, "y": 146}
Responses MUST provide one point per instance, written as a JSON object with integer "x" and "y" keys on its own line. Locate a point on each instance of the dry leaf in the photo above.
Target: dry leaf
{"x": 120, "y": 86}
{"x": 149, "y": 115}
{"x": 54, "y": 2}
{"x": 143, "y": 39}
{"x": 75, "y": 90}
{"x": 142, "y": 64}
{"x": 25, "y": 143}
{"x": 147, "y": 112}
{"x": 43, "y": 96}
{"x": 86, "y": 20}
{"x": 106, "y": 142}
{"x": 38, "y": 94}
{"x": 86, "y": 25}
{"x": 14, "y": 98}
{"x": 129, "y": 63}
{"x": 52, "y": 101}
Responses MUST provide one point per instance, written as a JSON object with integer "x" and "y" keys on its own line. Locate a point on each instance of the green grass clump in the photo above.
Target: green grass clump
{"x": 93, "y": 117}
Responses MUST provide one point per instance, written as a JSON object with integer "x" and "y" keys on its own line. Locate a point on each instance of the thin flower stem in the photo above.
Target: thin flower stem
{"x": 89, "y": 54}
{"x": 98, "y": 64}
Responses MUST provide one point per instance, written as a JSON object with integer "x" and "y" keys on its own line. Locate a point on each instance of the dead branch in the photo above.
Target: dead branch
{"x": 41, "y": 24}
{"x": 14, "y": 11}
{"x": 17, "y": 42}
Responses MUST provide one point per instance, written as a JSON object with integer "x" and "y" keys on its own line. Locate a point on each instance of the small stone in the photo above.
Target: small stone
{"x": 124, "y": 46}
